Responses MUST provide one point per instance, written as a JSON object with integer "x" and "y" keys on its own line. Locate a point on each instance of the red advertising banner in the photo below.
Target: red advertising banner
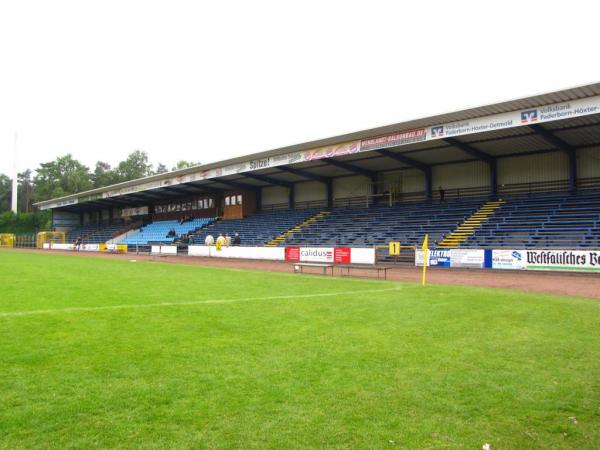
{"x": 341, "y": 255}
{"x": 391, "y": 140}
{"x": 292, "y": 253}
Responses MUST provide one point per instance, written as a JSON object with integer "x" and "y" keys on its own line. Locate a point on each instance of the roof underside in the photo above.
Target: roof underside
{"x": 574, "y": 133}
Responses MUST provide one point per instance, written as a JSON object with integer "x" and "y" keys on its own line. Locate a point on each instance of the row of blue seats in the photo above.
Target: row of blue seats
{"x": 258, "y": 228}
{"x": 380, "y": 224}
{"x": 159, "y": 231}
{"x": 543, "y": 220}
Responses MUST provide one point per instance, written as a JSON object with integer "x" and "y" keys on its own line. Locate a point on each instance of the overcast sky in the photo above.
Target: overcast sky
{"x": 205, "y": 81}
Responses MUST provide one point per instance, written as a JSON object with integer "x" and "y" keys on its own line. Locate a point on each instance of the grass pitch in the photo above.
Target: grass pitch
{"x": 99, "y": 353}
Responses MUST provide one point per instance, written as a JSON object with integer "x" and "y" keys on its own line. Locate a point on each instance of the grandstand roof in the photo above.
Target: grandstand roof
{"x": 555, "y": 121}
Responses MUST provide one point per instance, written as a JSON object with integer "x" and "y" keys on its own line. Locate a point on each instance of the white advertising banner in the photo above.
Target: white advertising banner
{"x": 198, "y": 250}
{"x": 163, "y": 250}
{"x": 59, "y": 246}
{"x": 266, "y": 253}
{"x": 530, "y": 116}
{"x": 362, "y": 255}
{"x": 316, "y": 254}
{"x": 507, "y": 259}
{"x": 470, "y": 258}
{"x": 570, "y": 260}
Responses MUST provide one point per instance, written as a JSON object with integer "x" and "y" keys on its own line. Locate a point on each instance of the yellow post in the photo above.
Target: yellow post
{"x": 425, "y": 258}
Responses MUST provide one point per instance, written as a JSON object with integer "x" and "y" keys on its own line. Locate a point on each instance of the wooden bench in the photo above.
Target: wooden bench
{"x": 299, "y": 266}
{"x": 379, "y": 269}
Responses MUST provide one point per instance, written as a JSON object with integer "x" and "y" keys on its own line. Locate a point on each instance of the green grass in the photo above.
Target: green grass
{"x": 266, "y": 361}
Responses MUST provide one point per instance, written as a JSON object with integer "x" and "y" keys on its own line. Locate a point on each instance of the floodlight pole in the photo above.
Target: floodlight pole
{"x": 15, "y": 182}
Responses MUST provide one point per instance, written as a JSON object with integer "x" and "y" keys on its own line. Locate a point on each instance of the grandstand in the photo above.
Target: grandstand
{"x": 520, "y": 174}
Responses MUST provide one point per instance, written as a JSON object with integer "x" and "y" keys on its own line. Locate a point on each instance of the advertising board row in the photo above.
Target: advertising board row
{"x": 473, "y": 259}
{"x": 110, "y": 248}
{"x": 538, "y": 259}
{"x": 570, "y": 260}
{"x": 337, "y": 255}
{"x": 525, "y": 117}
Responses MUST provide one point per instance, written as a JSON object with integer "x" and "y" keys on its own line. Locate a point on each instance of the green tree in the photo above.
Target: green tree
{"x": 25, "y": 192}
{"x": 5, "y": 193}
{"x": 184, "y": 165}
{"x": 161, "y": 168}
{"x": 61, "y": 177}
{"x": 135, "y": 166}
{"x": 104, "y": 175}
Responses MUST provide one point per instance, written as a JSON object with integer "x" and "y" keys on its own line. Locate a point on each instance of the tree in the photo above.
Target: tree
{"x": 25, "y": 191}
{"x": 5, "y": 193}
{"x": 184, "y": 165}
{"x": 161, "y": 168}
{"x": 135, "y": 166}
{"x": 103, "y": 175}
{"x": 61, "y": 177}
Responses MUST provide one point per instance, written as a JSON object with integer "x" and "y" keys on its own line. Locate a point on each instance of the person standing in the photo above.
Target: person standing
{"x": 236, "y": 239}
{"x": 210, "y": 240}
{"x": 227, "y": 240}
{"x": 442, "y": 195}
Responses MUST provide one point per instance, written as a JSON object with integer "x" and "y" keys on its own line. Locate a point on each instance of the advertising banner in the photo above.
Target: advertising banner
{"x": 507, "y": 259}
{"x": 266, "y": 253}
{"x": 292, "y": 253}
{"x": 393, "y": 140}
{"x": 571, "y": 260}
{"x": 338, "y": 255}
{"x": 316, "y": 254}
{"x": 341, "y": 255}
{"x": 548, "y": 113}
{"x": 439, "y": 258}
{"x": 470, "y": 258}
{"x": 116, "y": 248}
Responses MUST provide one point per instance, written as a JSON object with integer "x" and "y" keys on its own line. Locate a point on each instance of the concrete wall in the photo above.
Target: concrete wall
{"x": 462, "y": 175}
{"x": 310, "y": 191}
{"x": 588, "y": 163}
{"x": 348, "y": 187}
{"x": 533, "y": 168}
{"x": 274, "y": 195}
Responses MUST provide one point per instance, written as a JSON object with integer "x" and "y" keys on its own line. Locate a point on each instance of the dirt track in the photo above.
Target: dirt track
{"x": 583, "y": 285}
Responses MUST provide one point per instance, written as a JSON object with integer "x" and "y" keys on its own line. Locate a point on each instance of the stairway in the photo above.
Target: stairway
{"x": 308, "y": 222}
{"x": 470, "y": 225}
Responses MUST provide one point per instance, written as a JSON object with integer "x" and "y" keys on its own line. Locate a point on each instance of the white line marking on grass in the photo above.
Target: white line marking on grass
{"x": 35, "y": 312}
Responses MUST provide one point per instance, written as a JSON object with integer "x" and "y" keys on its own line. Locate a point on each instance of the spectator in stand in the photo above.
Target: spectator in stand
{"x": 227, "y": 240}
{"x": 190, "y": 239}
{"x": 210, "y": 240}
{"x": 442, "y": 195}
{"x": 236, "y": 239}
{"x": 220, "y": 240}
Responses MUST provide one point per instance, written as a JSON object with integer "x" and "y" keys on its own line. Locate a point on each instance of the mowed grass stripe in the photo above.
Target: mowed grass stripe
{"x": 441, "y": 367}
{"x": 194, "y": 303}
